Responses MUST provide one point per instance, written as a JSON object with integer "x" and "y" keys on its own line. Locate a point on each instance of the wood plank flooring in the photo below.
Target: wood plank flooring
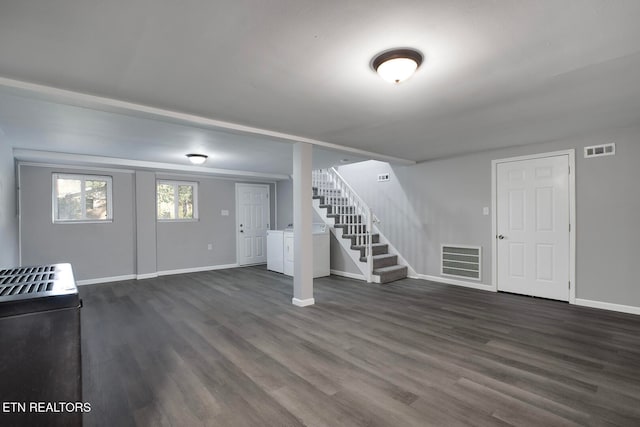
{"x": 227, "y": 348}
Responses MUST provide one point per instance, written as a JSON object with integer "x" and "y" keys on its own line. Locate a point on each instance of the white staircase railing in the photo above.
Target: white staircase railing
{"x": 353, "y": 214}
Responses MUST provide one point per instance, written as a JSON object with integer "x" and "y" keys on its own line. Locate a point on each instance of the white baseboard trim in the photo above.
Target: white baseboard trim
{"x": 303, "y": 302}
{"x": 455, "y": 282}
{"x": 197, "y": 269}
{"x": 152, "y": 275}
{"x": 608, "y": 306}
{"x": 105, "y": 280}
{"x": 357, "y": 276}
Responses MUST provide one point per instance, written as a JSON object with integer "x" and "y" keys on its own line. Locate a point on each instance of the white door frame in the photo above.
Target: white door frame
{"x": 238, "y": 184}
{"x": 572, "y": 215}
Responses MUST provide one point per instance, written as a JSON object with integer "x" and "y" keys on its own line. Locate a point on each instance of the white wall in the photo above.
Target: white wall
{"x": 437, "y": 202}
{"x": 8, "y": 211}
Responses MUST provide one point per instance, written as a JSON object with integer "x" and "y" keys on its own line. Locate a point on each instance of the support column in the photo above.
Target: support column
{"x": 145, "y": 199}
{"x": 302, "y": 225}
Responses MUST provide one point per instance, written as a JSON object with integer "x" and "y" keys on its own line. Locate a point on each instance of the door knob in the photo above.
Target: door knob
{"x": 501, "y": 237}
{"x": 242, "y": 231}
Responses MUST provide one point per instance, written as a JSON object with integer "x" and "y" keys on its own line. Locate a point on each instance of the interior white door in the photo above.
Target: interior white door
{"x": 533, "y": 227}
{"x": 253, "y": 222}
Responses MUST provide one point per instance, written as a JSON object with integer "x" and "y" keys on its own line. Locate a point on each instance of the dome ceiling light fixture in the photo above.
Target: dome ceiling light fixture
{"x": 397, "y": 65}
{"x": 197, "y": 159}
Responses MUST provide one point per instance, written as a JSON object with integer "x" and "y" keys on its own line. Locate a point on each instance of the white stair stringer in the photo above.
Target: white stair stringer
{"x": 344, "y": 243}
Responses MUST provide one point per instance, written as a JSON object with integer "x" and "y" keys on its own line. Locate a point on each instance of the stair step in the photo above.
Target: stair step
{"x": 375, "y": 238}
{"x": 328, "y": 192}
{"x": 345, "y": 209}
{"x": 391, "y": 273}
{"x": 349, "y": 218}
{"x": 352, "y": 228}
{"x": 327, "y": 207}
{"x": 377, "y": 249}
{"x": 381, "y": 261}
{"x": 335, "y": 200}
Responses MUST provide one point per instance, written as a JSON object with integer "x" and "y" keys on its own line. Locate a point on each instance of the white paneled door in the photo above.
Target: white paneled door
{"x": 532, "y": 227}
{"x": 252, "y": 222}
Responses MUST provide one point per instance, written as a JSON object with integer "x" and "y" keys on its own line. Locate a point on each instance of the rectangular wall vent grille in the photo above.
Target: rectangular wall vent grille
{"x": 461, "y": 261}
{"x": 600, "y": 150}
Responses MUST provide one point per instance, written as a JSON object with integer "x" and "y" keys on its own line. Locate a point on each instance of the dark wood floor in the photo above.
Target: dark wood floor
{"x": 227, "y": 348}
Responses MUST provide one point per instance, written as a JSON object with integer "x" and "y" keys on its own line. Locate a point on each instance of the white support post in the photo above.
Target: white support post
{"x": 369, "y": 237}
{"x": 302, "y": 225}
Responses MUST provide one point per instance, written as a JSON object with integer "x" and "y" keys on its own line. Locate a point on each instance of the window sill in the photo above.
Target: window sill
{"x": 88, "y": 221}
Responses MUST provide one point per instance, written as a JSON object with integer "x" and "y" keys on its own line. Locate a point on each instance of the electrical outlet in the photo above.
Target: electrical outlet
{"x": 485, "y": 210}
{"x": 383, "y": 177}
{"x": 224, "y": 212}
{"x": 210, "y": 246}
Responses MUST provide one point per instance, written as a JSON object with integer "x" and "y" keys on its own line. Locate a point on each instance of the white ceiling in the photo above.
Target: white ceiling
{"x": 497, "y": 73}
{"x": 37, "y": 124}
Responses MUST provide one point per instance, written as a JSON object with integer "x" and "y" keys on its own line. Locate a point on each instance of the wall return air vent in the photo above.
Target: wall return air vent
{"x": 461, "y": 261}
{"x": 600, "y": 150}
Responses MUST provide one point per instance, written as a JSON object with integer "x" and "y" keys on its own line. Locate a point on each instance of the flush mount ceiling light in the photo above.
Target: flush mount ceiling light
{"x": 197, "y": 159}
{"x": 397, "y": 65}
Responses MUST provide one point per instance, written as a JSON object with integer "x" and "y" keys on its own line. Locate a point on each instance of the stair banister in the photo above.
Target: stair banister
{"x": 363, "y": 237}
{"x": 346, "y": 186}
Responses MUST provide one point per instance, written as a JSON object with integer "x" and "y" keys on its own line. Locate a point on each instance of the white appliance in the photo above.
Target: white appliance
{"x": 275, "y": 254}
{"x": 280, "y": 252}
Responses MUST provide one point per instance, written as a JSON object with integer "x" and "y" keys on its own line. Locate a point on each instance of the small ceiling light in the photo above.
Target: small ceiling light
{"x": 197, "y": 159}
{"x": 397, "y": 65}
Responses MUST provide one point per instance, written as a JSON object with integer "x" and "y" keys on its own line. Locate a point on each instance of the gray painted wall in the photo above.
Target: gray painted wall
{"x": 94, "y": 250}
{"x": 184, "y": 244}
{"x": 8, "y": 212}
{"x": 339, "y": 259}
{"x": 441, "y": 201}
{"x": 285, "y": 203}
{"x": 134, "y": 243}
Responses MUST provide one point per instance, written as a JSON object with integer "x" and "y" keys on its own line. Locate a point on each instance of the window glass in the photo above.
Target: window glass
{"x": 177, "y": 201}
{"x": 185, "y": 201}
{"x": 80, "y": 198}
{"x": 96, "y": 199}
{"x": 69, "y": 196}
{"x": 166, "y": 205}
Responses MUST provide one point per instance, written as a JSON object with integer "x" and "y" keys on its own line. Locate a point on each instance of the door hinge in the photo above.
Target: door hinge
{"x": 569, "y": 227}
{"x": 569, "y": 284}
{"x": 569, "y": 170}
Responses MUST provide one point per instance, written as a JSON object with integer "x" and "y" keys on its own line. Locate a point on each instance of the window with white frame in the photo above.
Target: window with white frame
{"x": 82, "y": 198}
{"x": 177, "y": 200}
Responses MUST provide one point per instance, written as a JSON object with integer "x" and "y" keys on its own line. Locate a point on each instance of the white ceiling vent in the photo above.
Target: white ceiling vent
{"x": 461, "y": 261}
{"x": 600, "y": 150}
